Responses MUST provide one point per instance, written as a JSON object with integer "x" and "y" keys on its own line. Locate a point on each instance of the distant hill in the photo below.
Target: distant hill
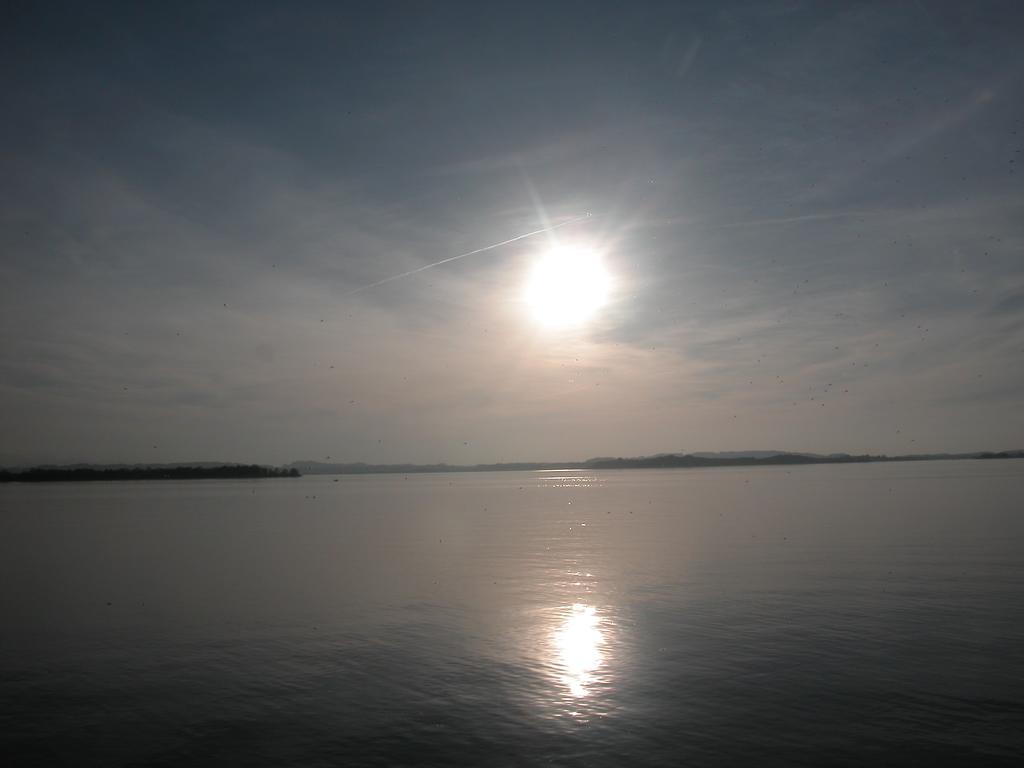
{"x": 661, "y": 460}
{"x": 760, "y": 454}
{"x": 1002, "y": 455}
{"x": 670, "y": 460}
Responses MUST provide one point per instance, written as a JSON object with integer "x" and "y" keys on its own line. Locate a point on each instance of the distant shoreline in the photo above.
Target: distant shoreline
{"x": 79, "y": 473}
{"x": 661, "y": 461}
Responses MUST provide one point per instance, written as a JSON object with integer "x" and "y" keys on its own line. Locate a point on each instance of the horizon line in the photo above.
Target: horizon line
{"x": 707, "y": 455}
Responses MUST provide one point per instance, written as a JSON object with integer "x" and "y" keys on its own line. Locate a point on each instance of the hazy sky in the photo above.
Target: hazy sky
{"x": 813, "y": 214}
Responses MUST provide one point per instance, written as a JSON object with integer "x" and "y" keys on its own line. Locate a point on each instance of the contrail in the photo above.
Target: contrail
{"x": 468, "y": 253}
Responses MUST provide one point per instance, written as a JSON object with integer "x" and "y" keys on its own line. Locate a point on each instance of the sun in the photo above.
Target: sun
{"x": 567, "y": 286}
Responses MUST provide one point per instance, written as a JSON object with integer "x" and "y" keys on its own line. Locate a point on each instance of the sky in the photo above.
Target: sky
{"x": 811, "y": 215}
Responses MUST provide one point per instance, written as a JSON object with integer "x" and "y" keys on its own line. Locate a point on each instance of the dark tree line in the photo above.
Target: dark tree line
{"x": 54, "y": 474}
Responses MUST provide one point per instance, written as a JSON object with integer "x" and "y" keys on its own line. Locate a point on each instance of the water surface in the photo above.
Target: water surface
{"x": 818, "y": 615}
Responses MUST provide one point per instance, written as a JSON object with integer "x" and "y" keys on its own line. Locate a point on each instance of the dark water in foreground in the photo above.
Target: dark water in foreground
{"x": 819, "y": 615}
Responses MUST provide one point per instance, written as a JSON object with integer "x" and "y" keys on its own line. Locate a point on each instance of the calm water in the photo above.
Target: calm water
{"x": 813, "y": 615}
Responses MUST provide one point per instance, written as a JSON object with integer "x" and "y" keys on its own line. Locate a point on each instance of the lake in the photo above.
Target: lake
{"x": 811, "y": 615}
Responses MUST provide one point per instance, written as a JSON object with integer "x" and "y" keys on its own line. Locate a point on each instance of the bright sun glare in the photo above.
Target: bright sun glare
{"x": 579, "y": 645}
{"x": 567, "y": 286}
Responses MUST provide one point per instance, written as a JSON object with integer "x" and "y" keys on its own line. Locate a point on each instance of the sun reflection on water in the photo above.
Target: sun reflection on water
{"x": 580, "y": 648}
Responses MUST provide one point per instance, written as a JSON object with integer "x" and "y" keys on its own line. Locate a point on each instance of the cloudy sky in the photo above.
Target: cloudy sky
{"x": 812, "y": 214}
